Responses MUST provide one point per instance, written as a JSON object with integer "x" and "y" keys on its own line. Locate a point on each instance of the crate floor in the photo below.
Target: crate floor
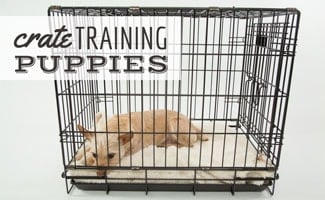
{"x": 218, "y": 151}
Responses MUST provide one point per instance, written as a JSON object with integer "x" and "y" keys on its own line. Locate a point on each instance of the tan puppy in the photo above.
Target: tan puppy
{"x": 124, "y": 136}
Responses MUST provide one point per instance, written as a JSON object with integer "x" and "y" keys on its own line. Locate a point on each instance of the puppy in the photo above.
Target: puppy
{"x": 131, "y": 132}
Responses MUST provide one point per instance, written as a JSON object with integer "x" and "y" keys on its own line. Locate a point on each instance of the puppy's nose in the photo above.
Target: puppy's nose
{"x": 101, "y": 173}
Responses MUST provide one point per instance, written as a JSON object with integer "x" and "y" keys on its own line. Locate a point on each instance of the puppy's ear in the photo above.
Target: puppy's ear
{"x": 124, "y": 138}
{"x": 98, "y": 117}
{"x": 86, "y": 133}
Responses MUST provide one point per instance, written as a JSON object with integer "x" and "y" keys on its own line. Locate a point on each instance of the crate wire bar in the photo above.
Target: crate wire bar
{"x": 236, "y": 69}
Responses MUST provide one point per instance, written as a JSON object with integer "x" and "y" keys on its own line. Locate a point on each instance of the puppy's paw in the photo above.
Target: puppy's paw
{"x": 191, "y": 145}
{"x": 204, "y": 137}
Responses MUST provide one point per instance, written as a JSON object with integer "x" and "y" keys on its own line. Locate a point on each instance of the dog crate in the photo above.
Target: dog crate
{"x": 234, "y": 83}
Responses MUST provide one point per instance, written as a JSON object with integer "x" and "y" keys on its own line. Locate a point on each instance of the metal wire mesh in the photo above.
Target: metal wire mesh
{"x": 236, "y": 68}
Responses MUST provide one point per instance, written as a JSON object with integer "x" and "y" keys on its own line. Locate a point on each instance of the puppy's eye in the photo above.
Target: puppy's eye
{"x": 95, "y": 155}
{"x": 111, "y": 155}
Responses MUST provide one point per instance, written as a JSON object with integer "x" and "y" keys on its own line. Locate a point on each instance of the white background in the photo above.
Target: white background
{"x": 30, "y": 150}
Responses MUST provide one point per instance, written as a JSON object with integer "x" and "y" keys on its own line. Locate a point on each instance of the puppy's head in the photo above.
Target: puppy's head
{"x": 103, "y": 149}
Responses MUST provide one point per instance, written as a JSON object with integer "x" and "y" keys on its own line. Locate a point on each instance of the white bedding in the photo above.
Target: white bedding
{"x": 155, "y": 155}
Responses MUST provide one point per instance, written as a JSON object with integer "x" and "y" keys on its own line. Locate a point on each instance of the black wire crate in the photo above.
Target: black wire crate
{"x": 231, "y": 100}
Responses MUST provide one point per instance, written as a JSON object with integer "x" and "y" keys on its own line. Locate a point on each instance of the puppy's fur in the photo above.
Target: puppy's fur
{"x": 159, "y": 127}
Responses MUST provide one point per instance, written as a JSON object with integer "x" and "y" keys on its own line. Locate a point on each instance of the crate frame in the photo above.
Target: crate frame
{"x": 280, "y": 95}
